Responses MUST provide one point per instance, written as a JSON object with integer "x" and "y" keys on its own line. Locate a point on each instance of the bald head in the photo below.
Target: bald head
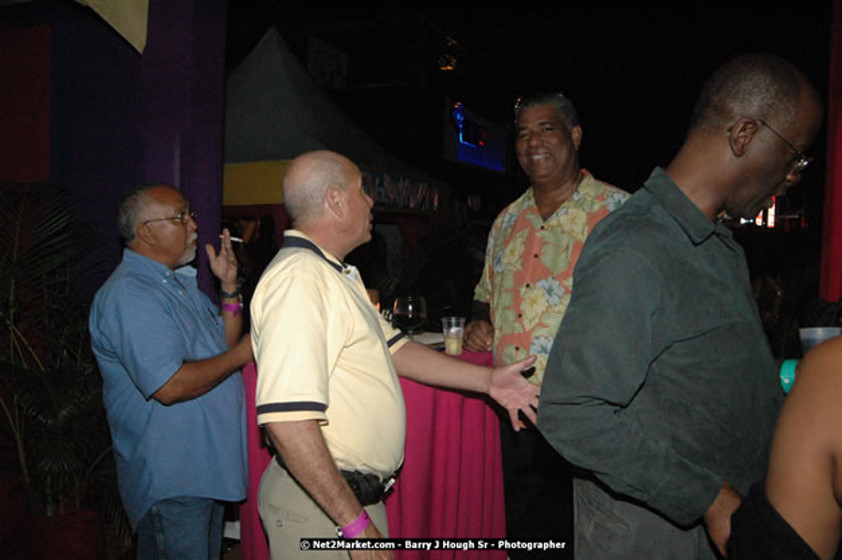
{"x": 754, "y": 119}
{"x": 760, "y": 86}
{"x": 308, "y": 179}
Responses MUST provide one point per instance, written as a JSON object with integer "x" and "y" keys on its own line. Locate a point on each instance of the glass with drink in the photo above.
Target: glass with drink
{"x": 453, "y": 329}
{"x": 409, "y": 313}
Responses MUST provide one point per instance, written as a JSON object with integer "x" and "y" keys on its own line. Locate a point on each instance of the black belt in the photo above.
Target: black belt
{"x": 367, "y": 487}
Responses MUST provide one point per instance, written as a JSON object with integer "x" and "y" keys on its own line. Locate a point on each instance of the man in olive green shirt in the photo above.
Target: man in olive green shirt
{"x": 660, "y": 381}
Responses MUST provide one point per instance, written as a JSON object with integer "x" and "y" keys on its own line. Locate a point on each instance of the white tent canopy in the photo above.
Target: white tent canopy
{"x": 275, "y": 111}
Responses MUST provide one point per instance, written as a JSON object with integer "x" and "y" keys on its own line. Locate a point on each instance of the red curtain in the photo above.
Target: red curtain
{"x": 25, "y": 99}
{"x": 831, "y": 272}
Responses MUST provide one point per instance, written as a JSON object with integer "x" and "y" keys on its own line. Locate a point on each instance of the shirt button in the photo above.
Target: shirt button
{"x": 535, "y": 255}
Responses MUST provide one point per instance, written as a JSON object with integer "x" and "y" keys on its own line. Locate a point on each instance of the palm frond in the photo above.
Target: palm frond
{"x": 52, "y": 404}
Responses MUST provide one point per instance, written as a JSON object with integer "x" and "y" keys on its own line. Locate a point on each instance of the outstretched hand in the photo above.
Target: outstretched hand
{"x": 514, "y": 393}
{"x": 224, "y": 264}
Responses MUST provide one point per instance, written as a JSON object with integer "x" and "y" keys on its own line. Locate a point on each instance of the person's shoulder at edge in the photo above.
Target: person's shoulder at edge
{"x": 637, "y": 222}
{"x": 822, "y": 365}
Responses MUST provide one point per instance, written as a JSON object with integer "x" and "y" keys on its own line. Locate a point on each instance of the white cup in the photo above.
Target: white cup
{"x": 811, "y": 336}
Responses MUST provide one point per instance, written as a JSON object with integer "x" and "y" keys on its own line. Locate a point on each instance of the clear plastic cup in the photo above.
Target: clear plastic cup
{"x": 811, "y": 336}
{"x": 453, "y": 329}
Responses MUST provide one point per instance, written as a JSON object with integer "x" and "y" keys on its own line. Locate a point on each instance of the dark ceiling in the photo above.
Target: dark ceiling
{"x": 632, "y": 68}
{"x": 563, "y": 43}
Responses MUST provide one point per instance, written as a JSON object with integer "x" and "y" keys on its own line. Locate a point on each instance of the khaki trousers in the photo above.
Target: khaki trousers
{"x": 289, "y": 515}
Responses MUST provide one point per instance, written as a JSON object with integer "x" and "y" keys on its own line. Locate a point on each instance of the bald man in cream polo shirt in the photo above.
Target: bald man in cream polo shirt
{"x": 327, "y": 390}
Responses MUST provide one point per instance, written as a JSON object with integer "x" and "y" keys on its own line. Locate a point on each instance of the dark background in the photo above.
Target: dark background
{"x": 632, "y": 68}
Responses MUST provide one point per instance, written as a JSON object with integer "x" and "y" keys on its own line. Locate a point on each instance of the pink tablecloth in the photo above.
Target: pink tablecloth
{"x": 253, "y": 545}
{"x": 451, "y": 485}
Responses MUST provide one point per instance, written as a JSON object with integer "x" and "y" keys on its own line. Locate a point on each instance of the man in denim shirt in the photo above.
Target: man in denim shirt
{"x": 661, "y": 382}
{"x": 167, "y": 355}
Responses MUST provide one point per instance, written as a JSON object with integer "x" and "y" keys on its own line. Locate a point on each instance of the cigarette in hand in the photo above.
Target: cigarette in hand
{"x": 234, "y": 239}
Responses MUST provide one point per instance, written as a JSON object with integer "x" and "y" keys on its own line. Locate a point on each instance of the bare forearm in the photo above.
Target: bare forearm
{"x": 233, "y": 321}
{"x": 194, "y": 379}
{"x": 224, "y": 267}
{"x": 505, "y": 384}
{"x": 420, "y": 363}
{"x": 306, "y": 456}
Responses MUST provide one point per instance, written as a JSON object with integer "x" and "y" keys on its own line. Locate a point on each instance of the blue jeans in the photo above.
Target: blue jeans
{"x": 183, "y": 528}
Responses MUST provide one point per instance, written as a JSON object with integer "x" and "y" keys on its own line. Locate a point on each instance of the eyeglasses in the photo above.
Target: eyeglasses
{"x": 183, "y": 217}
{"x": 801, "y": 160}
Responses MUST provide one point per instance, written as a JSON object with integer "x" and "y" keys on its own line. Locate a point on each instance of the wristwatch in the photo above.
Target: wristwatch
{"x": 231, "y": 295}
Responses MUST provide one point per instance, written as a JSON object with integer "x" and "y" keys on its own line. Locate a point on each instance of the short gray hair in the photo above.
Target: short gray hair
{"x": 559, "y": 100}
{"x": 132, "y": 206}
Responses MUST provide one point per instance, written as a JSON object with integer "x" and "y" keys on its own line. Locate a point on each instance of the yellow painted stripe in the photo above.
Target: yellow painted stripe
{"x": 253, "y": 182}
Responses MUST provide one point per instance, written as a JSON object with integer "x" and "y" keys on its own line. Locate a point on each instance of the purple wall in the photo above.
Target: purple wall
{"x": 121, "y": 119}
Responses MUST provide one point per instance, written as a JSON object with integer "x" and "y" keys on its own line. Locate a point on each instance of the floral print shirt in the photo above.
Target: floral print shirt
{"x": 528, "y": 273}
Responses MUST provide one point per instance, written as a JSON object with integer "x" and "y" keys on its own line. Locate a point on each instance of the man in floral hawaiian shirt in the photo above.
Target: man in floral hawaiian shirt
{"x": 524, "y": 290}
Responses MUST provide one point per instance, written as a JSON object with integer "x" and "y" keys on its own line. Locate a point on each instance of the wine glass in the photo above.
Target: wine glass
{"x": 409, "y": 313}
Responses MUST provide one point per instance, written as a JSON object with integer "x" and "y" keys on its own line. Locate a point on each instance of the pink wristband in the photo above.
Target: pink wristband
{"x": 234, "y": 308}
{"x": 355, "y": 527}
